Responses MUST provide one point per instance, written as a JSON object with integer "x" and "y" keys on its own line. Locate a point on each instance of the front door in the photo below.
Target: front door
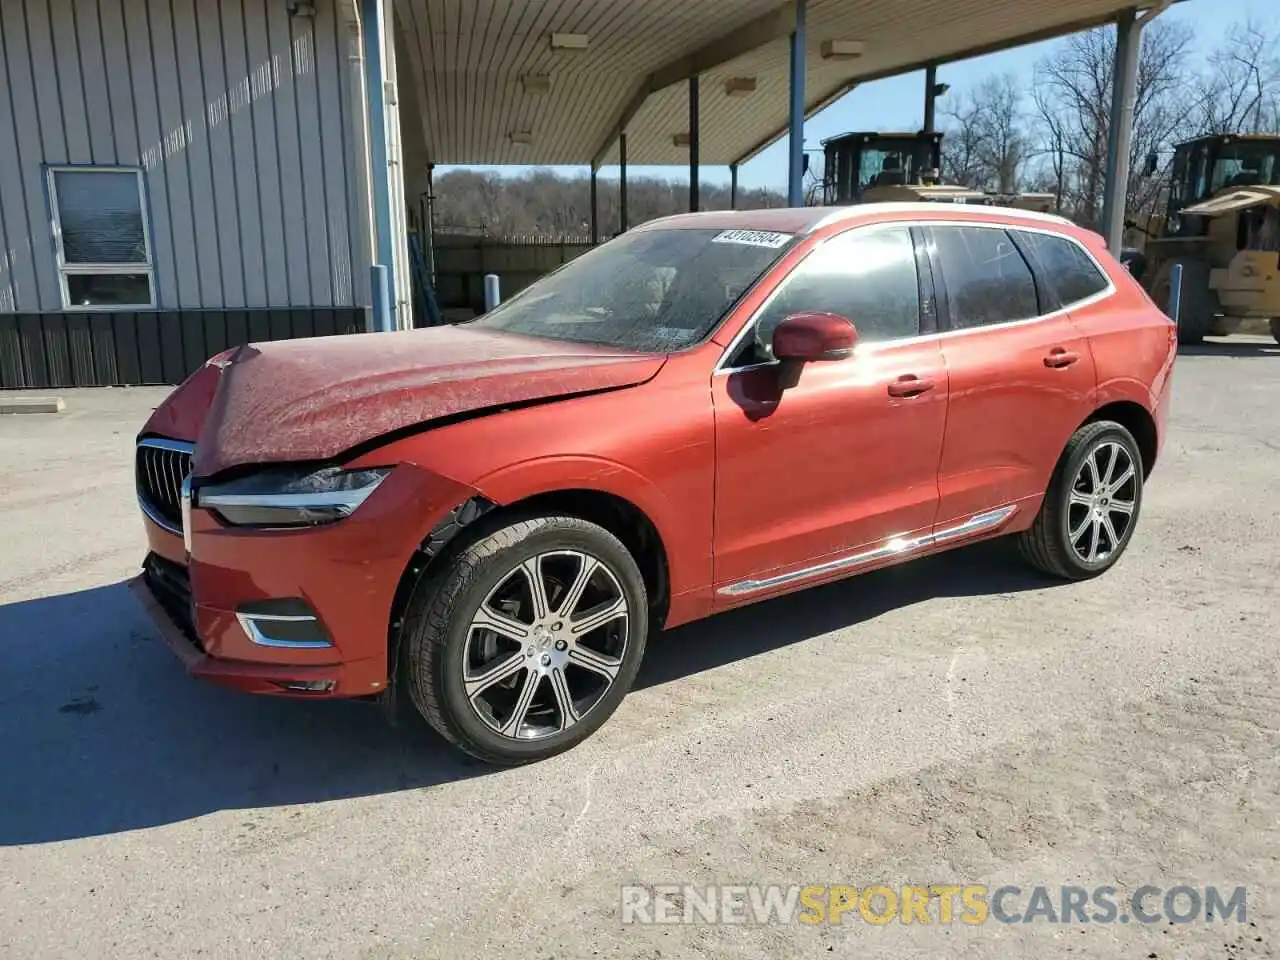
{"x": 837, "y": 458}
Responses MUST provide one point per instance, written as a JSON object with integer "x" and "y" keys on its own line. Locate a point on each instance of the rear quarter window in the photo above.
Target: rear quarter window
{"x": 1067, "y": 271}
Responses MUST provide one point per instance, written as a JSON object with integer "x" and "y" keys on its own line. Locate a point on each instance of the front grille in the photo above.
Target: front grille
{"x": 159, "y": 469}
{"x": 170, "y": 584}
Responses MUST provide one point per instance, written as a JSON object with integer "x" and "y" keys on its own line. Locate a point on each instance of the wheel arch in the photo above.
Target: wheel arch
{"x": 1138, "y": 420}
{"x": 478, "y": 516}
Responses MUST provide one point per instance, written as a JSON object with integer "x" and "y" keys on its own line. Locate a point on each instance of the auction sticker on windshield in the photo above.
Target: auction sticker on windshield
{"x": 752, "y": 238}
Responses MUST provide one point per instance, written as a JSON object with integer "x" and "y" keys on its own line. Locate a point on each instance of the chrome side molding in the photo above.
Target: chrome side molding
{"x": 978, "y": 523}
{"x": 895, "y": 546}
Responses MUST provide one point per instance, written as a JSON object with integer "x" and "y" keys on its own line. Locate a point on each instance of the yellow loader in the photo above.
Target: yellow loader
{"x": 1222, "y": 225}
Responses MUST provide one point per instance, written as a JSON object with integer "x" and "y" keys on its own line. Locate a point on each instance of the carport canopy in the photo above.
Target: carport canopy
{"x": 556, "y": 81}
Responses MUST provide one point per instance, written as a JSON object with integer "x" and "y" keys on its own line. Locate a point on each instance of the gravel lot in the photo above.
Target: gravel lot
{"x": 954, "y": 720}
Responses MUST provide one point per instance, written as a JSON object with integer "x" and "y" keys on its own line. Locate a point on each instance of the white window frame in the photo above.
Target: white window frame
{"x": 100, "y": 269}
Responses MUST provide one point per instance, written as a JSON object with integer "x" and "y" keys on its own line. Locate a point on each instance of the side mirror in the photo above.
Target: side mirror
{"x": 814, "y": 336}
{"x": 1153, "y": 164}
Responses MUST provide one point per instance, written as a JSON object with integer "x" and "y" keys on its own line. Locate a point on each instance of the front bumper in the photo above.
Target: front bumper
{"x": 347, "y": 573}
{"x": 282, "y": 680}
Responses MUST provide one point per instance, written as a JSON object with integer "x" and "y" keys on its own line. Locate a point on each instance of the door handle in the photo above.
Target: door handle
{"x": 1060, "y": 357}
{"x": 909, "y": 385}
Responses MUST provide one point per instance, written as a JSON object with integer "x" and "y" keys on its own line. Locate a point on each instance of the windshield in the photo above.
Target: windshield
{"x": 1245, "y": 163}
{"x": 652, "y": 291}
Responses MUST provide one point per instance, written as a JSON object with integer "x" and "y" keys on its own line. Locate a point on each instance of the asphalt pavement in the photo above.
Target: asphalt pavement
{"x": 955, "y": 720}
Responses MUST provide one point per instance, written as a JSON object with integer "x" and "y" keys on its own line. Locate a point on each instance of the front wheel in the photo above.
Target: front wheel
{"x": 1091, "y": 508}
{"x": 1275, "y": 329}
{"x": 529, "y": 640}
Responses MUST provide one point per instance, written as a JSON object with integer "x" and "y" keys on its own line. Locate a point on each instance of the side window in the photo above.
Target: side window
{"x": 986, "y": 278}
{"x": 1070, "y": 272}
{"x": 866, "y": 275}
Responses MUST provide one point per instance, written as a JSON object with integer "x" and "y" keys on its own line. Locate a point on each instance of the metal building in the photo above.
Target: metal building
{"x": 176, "y": 176}
{"x": 180, "y": 176}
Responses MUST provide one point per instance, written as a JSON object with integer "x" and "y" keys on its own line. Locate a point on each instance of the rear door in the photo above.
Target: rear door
{"x": 1021, "y": 374}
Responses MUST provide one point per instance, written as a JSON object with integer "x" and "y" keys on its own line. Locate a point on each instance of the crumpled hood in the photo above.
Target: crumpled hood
{"x": 312, "y": 399}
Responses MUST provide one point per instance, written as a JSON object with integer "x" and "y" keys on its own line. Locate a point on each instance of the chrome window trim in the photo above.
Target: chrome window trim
{"x": 1108, "y": 291}
{"x": 174, "y": 446}
{"x": 1052, "y": 314}
{"x": 893, "y": 547}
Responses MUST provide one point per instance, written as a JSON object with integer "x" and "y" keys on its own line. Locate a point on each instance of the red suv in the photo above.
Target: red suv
{"x": 707, "y": 411}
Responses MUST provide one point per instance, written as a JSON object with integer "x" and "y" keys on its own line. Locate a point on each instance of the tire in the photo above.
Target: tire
{"x": 1275, "y": 329}
{"x": 1224, "y": 326}
{"x": 1198, "y": 311}
{"x": 1048, "y": 544}
{"x": 491, "y": 578}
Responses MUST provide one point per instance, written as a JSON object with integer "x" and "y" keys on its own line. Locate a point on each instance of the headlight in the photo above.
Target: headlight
{"x": 290, "y": 498}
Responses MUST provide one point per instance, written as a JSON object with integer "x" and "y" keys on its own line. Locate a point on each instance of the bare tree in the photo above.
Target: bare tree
{"x": 545, "y": 203}
{"x": 960, "y": 142}
{"x": 986, "y": 142}
{"x": 1240, "y": 93}
{"x": 1073, "y": 108}
{"x": 1052, "y": 147}
{"x": 1003, "y": 145}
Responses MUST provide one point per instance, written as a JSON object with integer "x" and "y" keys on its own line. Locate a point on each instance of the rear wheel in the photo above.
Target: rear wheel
{"x": 1091, "y": 508}
{"x": 1275, "y": 329}
{"x": 529, "y": 640}
{"x": 1199, "y": 307}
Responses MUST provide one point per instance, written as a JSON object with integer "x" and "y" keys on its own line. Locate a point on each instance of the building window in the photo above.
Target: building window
{"x": 102, "y": 237}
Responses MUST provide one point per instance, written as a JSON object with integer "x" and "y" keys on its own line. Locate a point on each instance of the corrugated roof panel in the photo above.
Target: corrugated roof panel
{"x": 468, "y": 57}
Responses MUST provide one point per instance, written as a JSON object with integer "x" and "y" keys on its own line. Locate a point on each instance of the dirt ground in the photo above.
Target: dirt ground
{"x": 957, "y": 720}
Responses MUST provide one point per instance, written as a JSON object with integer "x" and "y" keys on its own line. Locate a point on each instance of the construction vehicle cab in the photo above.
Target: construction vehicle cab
{"x": 870, "y": 167}
{"x": 1204, "y": 167}
{"x": 1222, "y": 224}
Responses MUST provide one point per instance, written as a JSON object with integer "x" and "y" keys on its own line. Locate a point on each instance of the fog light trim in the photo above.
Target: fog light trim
{"x": 307, "y": 686}
{"x": 258, "y": 628}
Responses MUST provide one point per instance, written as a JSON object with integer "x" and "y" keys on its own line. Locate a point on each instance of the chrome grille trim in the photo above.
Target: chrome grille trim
{"x": 160, "y": 466}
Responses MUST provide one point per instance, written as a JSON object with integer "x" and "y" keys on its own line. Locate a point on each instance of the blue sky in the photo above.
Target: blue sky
{"x": 898, "y": 103}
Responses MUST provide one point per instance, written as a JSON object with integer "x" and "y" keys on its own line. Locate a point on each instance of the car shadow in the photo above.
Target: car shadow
{"x": 1231, "y": 348}
{"x": 102, "y": 731}
{"x": 986, "y": 568}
